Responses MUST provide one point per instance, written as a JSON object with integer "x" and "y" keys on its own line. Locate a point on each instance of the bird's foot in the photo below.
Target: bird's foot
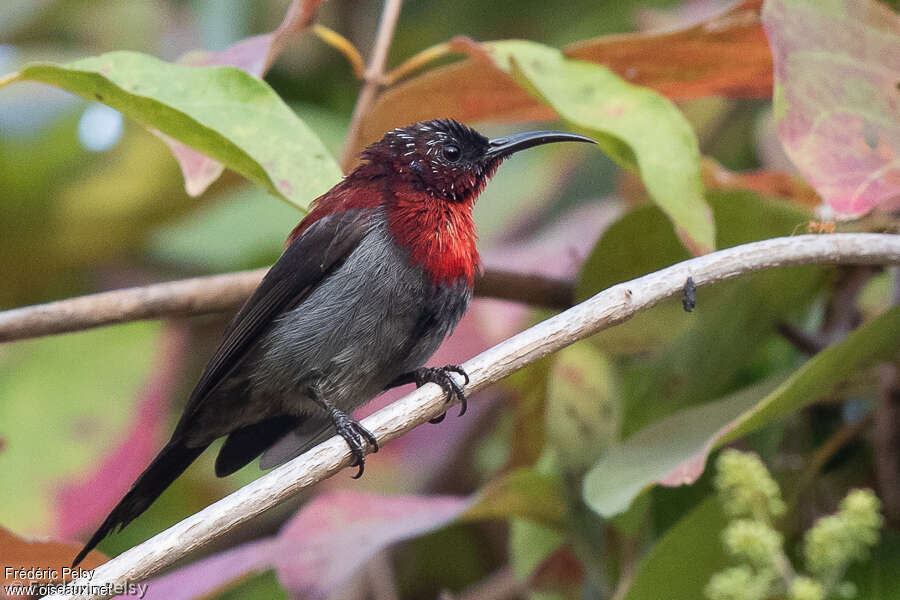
{"x": 354, "y": 434}
{"x": 451, "y": 387}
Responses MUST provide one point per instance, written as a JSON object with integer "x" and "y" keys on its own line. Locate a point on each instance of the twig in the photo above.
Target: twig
{"x": 841, "y": 313}
{"x": 886, "y": 442}
{"x": 808, "y": 343}
{"x": 608, "y": 308}
{"x": 630, "y": 555}
{"x": 372, "y": 76}
{"x": 218, "y": 293}
{"x": 820, "y": 457}
{"x": 536, "y": 290}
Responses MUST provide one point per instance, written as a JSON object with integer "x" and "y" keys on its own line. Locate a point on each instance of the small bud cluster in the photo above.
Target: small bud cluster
{"x": 752, "y": 541}
{"x": 740, "y": 583}
{"x": 839, "y": 539}
{"x": 806, "y": 588}
{"x": 746, "y": 487}
{"x": 751, "y": 497}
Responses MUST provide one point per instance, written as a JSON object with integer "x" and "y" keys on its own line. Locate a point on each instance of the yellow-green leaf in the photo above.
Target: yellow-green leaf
{"x": 222, "y": 112}
{"x": 637, "y": 127}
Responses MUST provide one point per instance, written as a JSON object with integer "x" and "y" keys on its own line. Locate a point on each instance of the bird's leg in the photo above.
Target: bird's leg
{"x": 349, "y": 429}
{"x": 440, "y": 376}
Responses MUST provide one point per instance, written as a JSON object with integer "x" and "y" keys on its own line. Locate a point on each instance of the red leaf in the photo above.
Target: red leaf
{"x": 837, "y": 102}
{"x": 561, "y": 572}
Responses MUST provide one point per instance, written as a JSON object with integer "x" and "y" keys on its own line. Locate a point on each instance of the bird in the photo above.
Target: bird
{"x": 370, "y": 282}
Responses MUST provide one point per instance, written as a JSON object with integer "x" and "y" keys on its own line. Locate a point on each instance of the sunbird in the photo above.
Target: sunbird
{"x": 370, "y": 283}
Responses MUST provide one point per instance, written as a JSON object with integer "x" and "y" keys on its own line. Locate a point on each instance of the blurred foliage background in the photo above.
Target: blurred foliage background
{"x": 565, "y": 455}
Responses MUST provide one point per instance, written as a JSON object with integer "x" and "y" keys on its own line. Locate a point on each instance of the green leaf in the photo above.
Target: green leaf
{"x": 530, "y": 545}
{"x": 673, "y": 451}
{"x": 523, "y": 493}
{"x": 725, "y": 347}
{"x": 679, "y": 566}
{"x": 879, "y": 339}
{"x": 639, "y": 242}
{"x": 642, "y": 241}
{"x": 242, "y": 230}
{"x": 876, "y": 578}
{"x": 65, "y": 402}
{"x": 222, "y": 112}
{"x": 583, "y": 406}
{"x": 637, "y": 127}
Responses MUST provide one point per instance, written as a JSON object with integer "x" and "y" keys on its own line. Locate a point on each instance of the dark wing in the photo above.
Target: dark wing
{"x": 309, "y": 258}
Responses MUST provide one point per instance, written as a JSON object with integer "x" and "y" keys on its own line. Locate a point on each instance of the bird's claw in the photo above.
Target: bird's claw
{"x": 451, "y": 387}
{"x": 354, "y": 434}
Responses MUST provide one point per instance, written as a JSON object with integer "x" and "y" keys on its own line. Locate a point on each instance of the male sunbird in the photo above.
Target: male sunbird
{"x": 370, "y": 283}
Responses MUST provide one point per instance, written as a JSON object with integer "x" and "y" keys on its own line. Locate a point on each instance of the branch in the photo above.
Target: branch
{"x": 197, "y": 296}
{"x": 608, "y": 308}
{"x": 372, "y": 76}
{"x": 219, "y": 293}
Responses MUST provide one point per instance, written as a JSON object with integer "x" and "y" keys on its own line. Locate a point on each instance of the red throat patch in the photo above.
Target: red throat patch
{"x": 439, "y": 235}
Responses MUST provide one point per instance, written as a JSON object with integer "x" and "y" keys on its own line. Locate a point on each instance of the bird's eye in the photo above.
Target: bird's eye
{"x": 452, "y": 153}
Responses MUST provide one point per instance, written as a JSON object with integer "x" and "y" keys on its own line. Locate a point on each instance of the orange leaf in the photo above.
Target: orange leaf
{"x": 727, "y": 55}
{"x": 470, "y": 90}
{"x": 767, "y": 183}
{"x": 25, "y": 562}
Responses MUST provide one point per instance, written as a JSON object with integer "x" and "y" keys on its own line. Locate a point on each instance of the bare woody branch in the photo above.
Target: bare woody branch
{"x": 219, "y": 293}
{"x": 372, "y": 76}
{"x": 608, "y": 308}
{"x": 197, "y": 296}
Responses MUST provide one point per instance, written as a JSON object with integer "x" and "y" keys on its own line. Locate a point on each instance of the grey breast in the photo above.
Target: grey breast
{"x": 368, "y": 322}
{"x": 374, "y": 319}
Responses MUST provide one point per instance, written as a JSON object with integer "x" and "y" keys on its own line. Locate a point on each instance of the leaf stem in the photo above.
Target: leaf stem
{"x": 7, "y": 79}
{"x": 342, "y": 45}
{"x": 419, "y": 60}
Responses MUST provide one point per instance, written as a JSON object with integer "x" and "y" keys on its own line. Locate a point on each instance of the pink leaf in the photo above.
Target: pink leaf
{"x": 837, "y": 100}
{"x": 82, "y": 503}
{"x": 320, "y": 548}
{"x": 254, "y": 55}
{"x": 560, "y": 249}
{"x": 336, "y": 534}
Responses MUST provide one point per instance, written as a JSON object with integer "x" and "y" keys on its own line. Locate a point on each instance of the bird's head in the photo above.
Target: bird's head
{"x": 426, "y": 176}
{"x": 448, "y": 160}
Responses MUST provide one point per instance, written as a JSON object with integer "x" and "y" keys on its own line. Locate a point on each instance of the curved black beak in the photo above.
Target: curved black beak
{"x": 506, "y": 145}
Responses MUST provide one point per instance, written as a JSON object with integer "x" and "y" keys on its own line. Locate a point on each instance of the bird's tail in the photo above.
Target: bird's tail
{"x": 171, "y": 462}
